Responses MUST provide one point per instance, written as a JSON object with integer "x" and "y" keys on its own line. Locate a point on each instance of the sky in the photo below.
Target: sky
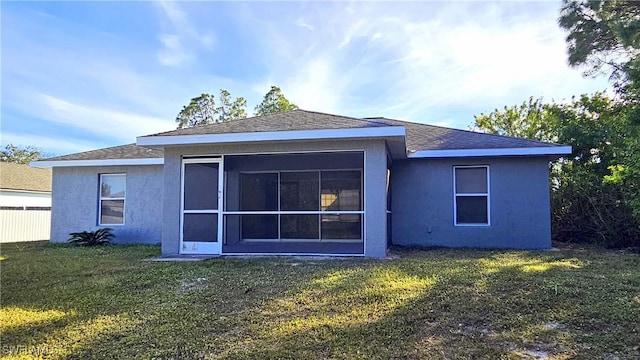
{"x": 77, "y": 76}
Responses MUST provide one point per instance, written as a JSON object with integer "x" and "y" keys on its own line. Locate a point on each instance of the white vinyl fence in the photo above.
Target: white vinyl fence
{"x": 24, "y": 224}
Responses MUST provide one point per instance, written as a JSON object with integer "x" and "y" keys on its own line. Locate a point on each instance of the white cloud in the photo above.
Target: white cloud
{"x": 303, "y": 24}
{"x": 479, "y": 64}
{"x": 173, "y": 53}
{"x": 431, "y": 62}
{"x": 311, "y": 87}
{"x": 378, "y": 59}
{"x": 181, "y": 39}
{"x": 97, "y": 120}
{"x": 58, "y": 146}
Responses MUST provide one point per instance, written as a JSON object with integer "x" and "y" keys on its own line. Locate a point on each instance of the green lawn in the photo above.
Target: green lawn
{"x": 70, "y": 302}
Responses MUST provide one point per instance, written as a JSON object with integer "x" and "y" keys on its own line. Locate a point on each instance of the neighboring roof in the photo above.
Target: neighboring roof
{"x": 129, "y": 154}
{"x": 23, "y": 177}
{"x": 421, "y": 140}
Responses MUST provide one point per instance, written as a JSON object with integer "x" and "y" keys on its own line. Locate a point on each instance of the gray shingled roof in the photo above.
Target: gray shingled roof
{"x": 431, "y": 137}
{"x": 129, "y": 151}
{"x": 22, "y": 177}
{"x": 419, "y": 136}
{"x": 286, "y": 121}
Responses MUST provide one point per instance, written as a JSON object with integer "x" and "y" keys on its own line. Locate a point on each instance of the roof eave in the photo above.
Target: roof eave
{"x": 96, "y": 162}
{"x": 524, "y": 151}
{"x": 295, "y": 135}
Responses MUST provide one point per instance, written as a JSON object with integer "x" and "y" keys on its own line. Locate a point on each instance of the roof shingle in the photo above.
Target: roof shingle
{"x": 431, "y": 137}
{"x": 285, "y": 121}
{"x": 129, "y": 151}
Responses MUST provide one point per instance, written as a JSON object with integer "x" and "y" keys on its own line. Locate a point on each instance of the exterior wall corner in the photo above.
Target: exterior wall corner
{"x": 376, "y": 201}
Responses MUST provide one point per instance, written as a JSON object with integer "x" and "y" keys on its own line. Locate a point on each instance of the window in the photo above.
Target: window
{"x": 112, "y": 195}
{"x": 471, "y": 195}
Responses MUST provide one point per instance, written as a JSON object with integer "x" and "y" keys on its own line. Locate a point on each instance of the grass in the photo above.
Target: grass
{"x": 60, "y": 301}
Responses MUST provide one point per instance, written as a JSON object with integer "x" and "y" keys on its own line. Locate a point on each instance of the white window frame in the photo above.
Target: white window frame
{"x": 101, "y": 198}
{"x": 456, "y": 195}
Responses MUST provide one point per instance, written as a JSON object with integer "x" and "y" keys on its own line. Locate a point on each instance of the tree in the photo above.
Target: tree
{"x": 603, "y": 35}
{"x": 592, "y": 199}
{"x": 202, "y": 110}
{"x": 21, "y": 155}
{"x": 274, "y": 102}
{"x": 231, "y": 110}
{"x": 529, "y": 120}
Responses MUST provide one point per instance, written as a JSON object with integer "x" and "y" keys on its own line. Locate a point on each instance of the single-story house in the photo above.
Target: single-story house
{"x": 25, "y": 203}
{"x": 305, "y": 182}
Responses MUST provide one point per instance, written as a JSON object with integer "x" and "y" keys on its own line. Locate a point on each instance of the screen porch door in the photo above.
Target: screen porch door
{"x": 201, "y": 220}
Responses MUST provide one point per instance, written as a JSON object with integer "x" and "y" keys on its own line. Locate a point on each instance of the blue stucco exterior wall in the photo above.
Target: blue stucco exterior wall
{"x": 421, "y": 199}
{"x": 74, "y": 203}
{"x": 423, "y": 210}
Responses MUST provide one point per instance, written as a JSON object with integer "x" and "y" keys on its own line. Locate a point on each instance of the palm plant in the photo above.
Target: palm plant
{"x": 92, "y": 238}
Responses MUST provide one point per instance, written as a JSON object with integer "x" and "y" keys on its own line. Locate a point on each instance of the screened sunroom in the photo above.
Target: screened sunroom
{"x": 305, "y": 203}
{"x": 294, "y": 203}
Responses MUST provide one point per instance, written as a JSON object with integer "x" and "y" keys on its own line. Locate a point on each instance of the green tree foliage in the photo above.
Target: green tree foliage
{"x": 603, "y": 35}
{"x": 592, "y": 198}
{"x": 529, "y": 120}
{"x": 231, "y": 110}
{"x": 274, "y": 102}
{"x": 203, "y": 110}
{"x": 21, "y": 155}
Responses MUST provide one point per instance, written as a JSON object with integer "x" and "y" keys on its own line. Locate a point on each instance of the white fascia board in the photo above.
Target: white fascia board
{"x": 531, "y": 151}
{"x": 372, "y": 132}
{"x": 101, "y": 162}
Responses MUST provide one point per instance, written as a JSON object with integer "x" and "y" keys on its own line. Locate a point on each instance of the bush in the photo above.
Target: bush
{"x": 92, "y": 238}
{"x": 586, "y": 210}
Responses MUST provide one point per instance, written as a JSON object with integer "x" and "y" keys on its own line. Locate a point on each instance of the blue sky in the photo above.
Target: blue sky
{"x": 77, "y": 76}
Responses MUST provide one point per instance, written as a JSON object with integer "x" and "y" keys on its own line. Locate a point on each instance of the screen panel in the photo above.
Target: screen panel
{"x": 200, "y": 228}
{"x": 259, "y": 227}
{"x": 341, "y": 191}
{"x": 299, "y": 191}
{"x": 201, "y": 186}
{"x": 301, "y": 227}
{"x": 259, "y": 191}
{"x": 342, "y": 227}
